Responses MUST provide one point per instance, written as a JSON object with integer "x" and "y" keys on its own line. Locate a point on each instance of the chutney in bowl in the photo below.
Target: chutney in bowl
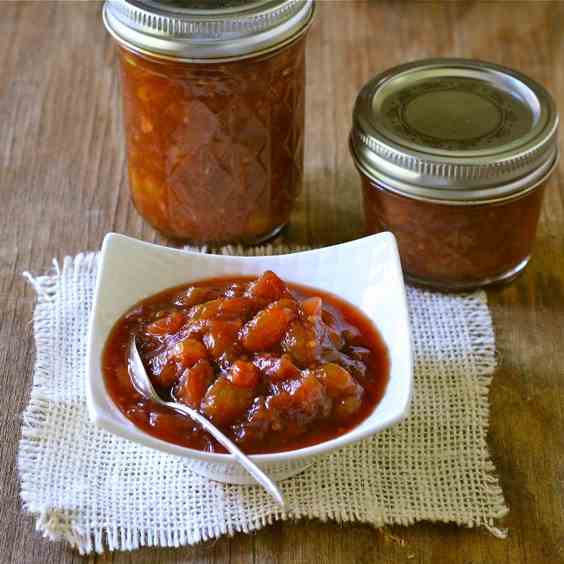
{"x": 276, "y": 366}
{"x": 365, "y": 273}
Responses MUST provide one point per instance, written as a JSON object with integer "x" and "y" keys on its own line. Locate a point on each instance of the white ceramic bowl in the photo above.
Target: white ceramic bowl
{"x": 365, "y": 272}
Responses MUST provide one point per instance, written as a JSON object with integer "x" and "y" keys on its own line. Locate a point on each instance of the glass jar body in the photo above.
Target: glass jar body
{"x": 456, "y": 247}
{"x": 215, "y": 150}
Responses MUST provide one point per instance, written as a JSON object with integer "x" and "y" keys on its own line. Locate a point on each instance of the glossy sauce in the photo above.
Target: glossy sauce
{"x": 227, "y": 363}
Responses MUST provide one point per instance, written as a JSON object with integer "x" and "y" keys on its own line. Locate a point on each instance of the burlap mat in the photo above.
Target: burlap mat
{"x": 100, "y": 492}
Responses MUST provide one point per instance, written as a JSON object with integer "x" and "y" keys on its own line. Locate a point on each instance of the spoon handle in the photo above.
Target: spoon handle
{"x": 242, "y": 458}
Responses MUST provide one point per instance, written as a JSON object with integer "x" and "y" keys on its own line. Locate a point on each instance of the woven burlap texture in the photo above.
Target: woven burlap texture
{"x": 101, "y": 492}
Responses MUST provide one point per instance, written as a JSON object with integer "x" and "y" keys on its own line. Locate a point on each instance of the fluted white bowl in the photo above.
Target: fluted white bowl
{"x": 365, "y": 272}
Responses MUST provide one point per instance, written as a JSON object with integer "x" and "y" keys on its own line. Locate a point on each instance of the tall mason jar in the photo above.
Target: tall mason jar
{"x": 213, "y": 99}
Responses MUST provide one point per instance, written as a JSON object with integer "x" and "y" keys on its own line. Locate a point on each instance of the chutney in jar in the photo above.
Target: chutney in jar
{"x": 454, "y": 157}
{"x": 214, "y": 121}
{"x": 456, "y": 246}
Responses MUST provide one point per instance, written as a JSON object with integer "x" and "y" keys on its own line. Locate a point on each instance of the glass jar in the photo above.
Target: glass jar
{"x": 454, "y": 157}
{"x": 213, "y": 96}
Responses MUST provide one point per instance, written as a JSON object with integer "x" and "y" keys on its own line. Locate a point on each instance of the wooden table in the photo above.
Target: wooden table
{"x": 63, "y": 186}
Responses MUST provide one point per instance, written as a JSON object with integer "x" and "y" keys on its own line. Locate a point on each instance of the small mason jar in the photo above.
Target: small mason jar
{"x": 213, "y": 98}
{"x": 454, "y": 157}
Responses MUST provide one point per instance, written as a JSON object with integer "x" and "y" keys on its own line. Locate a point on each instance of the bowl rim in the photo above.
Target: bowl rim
{"x": 128, "y": 430}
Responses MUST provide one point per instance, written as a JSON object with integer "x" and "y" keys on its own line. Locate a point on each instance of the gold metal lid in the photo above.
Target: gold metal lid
{"x": 454, "y": 129}
{"x": 204, "y": 30}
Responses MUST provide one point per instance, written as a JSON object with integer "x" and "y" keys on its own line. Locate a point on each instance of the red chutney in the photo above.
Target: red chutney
{"x": 215, "y": 150}
{"x": 276, "y": 366}
{"x": 453, "y": 246}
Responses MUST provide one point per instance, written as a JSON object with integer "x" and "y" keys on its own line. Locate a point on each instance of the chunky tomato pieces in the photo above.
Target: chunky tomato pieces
{"x": 276, "y": 367}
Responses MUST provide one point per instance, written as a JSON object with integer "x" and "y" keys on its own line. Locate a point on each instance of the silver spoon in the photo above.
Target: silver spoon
{"x": 143, "y": 385}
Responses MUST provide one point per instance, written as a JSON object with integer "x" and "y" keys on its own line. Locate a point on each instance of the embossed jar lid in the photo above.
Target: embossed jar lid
{"x": 454, "y": 129}
{"x": 200, "y": 30}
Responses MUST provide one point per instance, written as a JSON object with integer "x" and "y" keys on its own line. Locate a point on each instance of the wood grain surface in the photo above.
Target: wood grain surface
{"x": 63, "y": 186}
